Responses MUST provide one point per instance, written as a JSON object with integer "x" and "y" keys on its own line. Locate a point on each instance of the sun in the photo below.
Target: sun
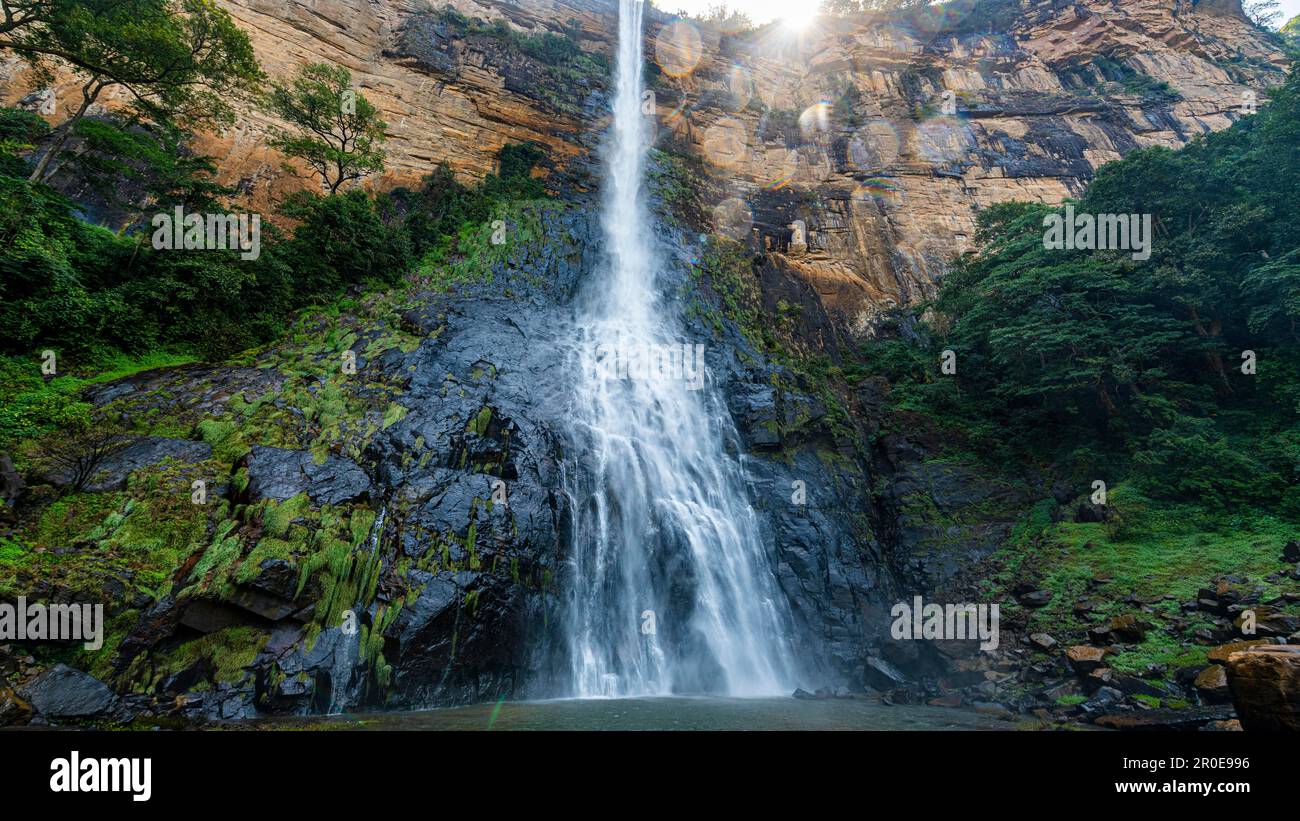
{"x": 798, "y": 21}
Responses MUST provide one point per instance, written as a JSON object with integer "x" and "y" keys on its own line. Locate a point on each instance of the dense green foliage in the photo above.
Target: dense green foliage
{"x": 72, "y": 286}
{"x": 437, "y": 210}
{"x": 552, "y": 49}
{"x": 1122, "y": 367}
{"x": 95, "y": 296}
{"x": 180, "y": 61}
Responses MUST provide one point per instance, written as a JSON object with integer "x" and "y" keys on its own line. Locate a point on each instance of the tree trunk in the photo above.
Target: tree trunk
{"x": 89, "y": 93}
{"x": 1212, "y": 358}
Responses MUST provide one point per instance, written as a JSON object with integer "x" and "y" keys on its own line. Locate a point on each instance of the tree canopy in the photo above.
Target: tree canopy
{"x": 181, "y": 61}
{"x": 335, "y": 129}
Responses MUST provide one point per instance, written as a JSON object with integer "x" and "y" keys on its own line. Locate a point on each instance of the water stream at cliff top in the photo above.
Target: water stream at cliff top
{"x": 670, "y": 589}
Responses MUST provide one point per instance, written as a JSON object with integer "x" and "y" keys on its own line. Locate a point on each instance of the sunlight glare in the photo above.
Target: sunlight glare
{"x": 798, "y": 21}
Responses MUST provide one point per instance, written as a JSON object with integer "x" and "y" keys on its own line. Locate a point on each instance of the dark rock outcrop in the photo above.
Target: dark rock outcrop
{"x": 65, "y": 693}
{"x": 277, "y": 473}
{"x": 112, "y": 473}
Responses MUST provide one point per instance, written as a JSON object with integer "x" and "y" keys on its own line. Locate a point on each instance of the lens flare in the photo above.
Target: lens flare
{"x": 740, "y": 86}
{"x": 875, "y": 145}
{"x": 815, "y": 118}
{"x": 880, "y": 190}
{"x": 732, "y": 219}
{"x": 787, "y": 169}
{"x": 797, "y": 22}
{"x": 678, "y": 48}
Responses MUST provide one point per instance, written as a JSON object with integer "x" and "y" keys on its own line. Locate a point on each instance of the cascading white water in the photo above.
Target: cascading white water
{"x": 671, "y": 588}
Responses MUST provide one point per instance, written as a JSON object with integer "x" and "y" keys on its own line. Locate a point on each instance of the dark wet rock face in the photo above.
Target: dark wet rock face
{"x": 62, "y": 693}
{"x": 414, "y": 553}
{"x": 276, "y": 473}
{"x": 468, "y": 547}
{"x": 472, "y": 472}
{"x": 112, "y": 473}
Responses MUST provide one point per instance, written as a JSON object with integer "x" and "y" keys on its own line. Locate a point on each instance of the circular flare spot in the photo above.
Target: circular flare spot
{"x": 880, "y": 190}
{"x": 875, "y": 145}
{"x": 740, "y": 87}
{"x": 783, "y": 168}
{"x": 732, "y": 219}
{"x": 941, "y": 140}
{"x": 815, "y": 118}
{"x": 678, "y": 48}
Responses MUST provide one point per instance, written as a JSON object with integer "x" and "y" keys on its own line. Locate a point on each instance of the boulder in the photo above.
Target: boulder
{"x": 1220, "y": 654}
{"x": 1212, "y": 683}
{"x": 1102, "y": 701}
{"x": 63, "y": 692}
{"x": 881, "y": 675}
{"x": 1264, "y": 681}
{"x": 1133, "y": 685}
{"x": 1042, "y": 641}
{"x": 1084, "y": 658}
{"x": 1291, "y": 553}
{"x": 278, "y": 473}
{"x": 1231, "y": 725}
{"x": 1165, "y": 719}
{"x": 1267, "y": 621}
{"x": 1126, "y": 628}
{"x": 995, "y": 710}
{"x": 1100, "y": 634}
{"x": 1035, "y": 598}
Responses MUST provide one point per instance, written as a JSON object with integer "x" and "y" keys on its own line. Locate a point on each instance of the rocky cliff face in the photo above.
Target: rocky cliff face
{"x": 886, "y": 138}
{"x": 374, "y": 487}
{"x": 883, "y": 137}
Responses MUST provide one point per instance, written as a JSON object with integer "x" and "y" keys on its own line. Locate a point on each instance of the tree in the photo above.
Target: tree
{"x": 344, "y": 240}
{"x": 846, "y": 8}
{"x": 19, "y": 132}
{"x": 182, "y": 61}
{"x": 74, "y": 453}
{"x": 140, "y": 166}
{"x": 21, "y": 13}
{"x": 1264, "y": 13}
{"x": 336, "y": 130}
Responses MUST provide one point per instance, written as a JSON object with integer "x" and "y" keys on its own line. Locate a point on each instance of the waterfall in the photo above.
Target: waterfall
{"x": 669, "y": 586}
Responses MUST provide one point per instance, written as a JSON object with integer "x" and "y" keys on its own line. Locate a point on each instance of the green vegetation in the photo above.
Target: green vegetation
{"x": 725, "y": 271}
{"x": 1098, "y": 366}
{"x": 1118, "y": 368}
{"x": 332, "y": 276}
{"x": 222, "y": 656}
{"x": 31, "y": 406}
{"x": 1114, "y": 71}
{"x": 182, "y": 62}
{"x": 109, "y": 305}
{"x": 552, "y": 49}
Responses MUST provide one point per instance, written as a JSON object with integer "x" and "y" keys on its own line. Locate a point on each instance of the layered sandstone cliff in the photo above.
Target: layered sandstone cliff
{"x": 883, "y": 138}
{"x": 902, "y": 131}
